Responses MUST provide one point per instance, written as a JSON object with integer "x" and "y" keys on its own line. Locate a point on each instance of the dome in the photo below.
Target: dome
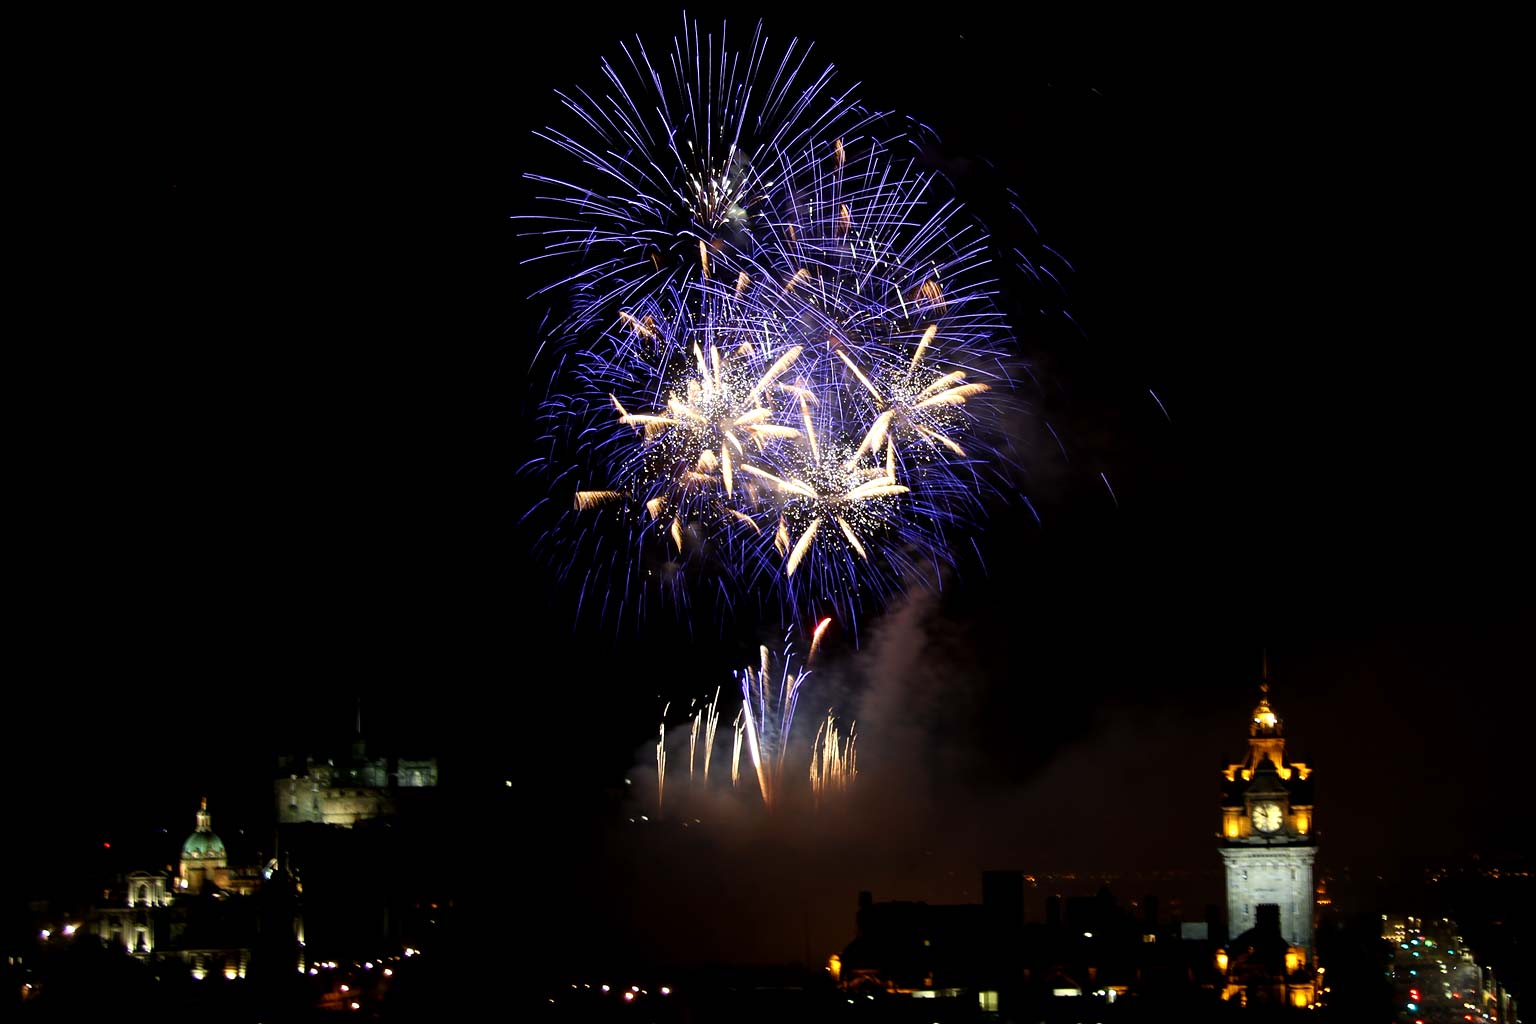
{"x": 203, "y": 844}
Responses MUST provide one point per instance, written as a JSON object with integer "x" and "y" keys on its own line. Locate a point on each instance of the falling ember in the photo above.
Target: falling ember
{"x": 677, "y": 534}
{"x": 742, "y": 281}
{"x": 876, "y": 488}
{"x": 596, "y": 499}
{"x": 704, "y": 257}
{"x": 801, "y": 546}
{"x": 953, "y": 395}
{"x": 934, "y": 435}
{"x": 810, "y": 430}
{"x": 743, "y": 517}
{"x": 787, "y": 486}
{"x": 860, "y": 375}
{"x": 852, "y": 539}
{"x": 646, "y": 328}
{"x": 929, "y": 291}
{"x": 871, "y": 442}
{"x": 839, "y": 154}
{"x": 779, "y": 366}
{"x": 844, "y": 220}
{"x": 940, "y": 383}
{"x": 922, "y": 346}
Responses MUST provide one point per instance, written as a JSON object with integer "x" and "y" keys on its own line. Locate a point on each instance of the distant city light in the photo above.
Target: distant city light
{"x": 665, "y": 991}
{"x": 629, "y": 997}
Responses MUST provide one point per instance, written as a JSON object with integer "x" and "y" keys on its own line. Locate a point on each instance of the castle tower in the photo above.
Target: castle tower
{"x": 1268, "y": 834}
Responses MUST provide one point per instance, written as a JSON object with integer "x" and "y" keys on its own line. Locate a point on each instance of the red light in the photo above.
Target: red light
{"x": 1413, "y": 994}
{"x": 106, "y": 846}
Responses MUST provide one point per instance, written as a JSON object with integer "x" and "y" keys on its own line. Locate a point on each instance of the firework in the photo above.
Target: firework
{"x": 704, "y": 720}
{"x": 738, "y": 734}
{"x": 668, "y": 162}
{"x": 816, "y": 635}
{"x": 768, "y": 714}
{"x": 661, "y": 765}
{"x": 781, "y": 382}
{"x": 834, "y": 760}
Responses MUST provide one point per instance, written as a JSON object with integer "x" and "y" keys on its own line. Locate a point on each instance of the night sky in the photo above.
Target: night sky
{"x": 282, "y": 390}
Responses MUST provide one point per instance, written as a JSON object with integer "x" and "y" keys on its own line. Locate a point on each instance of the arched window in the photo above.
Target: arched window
{"x": 143, "y": 893}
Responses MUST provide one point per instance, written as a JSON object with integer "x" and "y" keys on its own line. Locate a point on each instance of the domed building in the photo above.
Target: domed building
{"x": 208, "y": 916}
{"x": 203, "y": 857}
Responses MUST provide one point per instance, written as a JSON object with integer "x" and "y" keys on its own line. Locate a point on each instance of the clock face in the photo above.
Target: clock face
{"x": 1267, "y": 817}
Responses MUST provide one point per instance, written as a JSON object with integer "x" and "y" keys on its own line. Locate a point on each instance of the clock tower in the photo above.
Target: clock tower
{"x": 1268, "y": 835}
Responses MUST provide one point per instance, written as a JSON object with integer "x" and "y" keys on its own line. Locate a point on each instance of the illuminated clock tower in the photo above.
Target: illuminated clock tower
{"x": 1268, "y": 835}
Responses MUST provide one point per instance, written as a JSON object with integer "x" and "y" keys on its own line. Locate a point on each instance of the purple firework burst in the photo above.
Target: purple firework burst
{"x": 798, "y": 400}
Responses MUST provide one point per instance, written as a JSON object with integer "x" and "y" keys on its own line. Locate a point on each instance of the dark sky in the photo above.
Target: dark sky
{"x": 282, "y": 388}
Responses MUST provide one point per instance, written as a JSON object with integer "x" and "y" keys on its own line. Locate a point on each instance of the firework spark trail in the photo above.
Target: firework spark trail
{"x": 711, "y": 720}
{"x": 661, "y": 765}
{"x": 821, "y": 628}
{"x": 769, "y": 716}
{"x": 694, "y": 721}
{"x": 738, "y": 731}
{"x": 834, "y": 760}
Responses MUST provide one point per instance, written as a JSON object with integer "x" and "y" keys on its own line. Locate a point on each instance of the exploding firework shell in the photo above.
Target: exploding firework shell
{"x": 671, "y": 159}
{"x": 801, "y": 406}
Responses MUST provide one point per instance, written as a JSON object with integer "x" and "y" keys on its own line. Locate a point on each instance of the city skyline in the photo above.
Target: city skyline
{"x": 1289, "y": 421}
